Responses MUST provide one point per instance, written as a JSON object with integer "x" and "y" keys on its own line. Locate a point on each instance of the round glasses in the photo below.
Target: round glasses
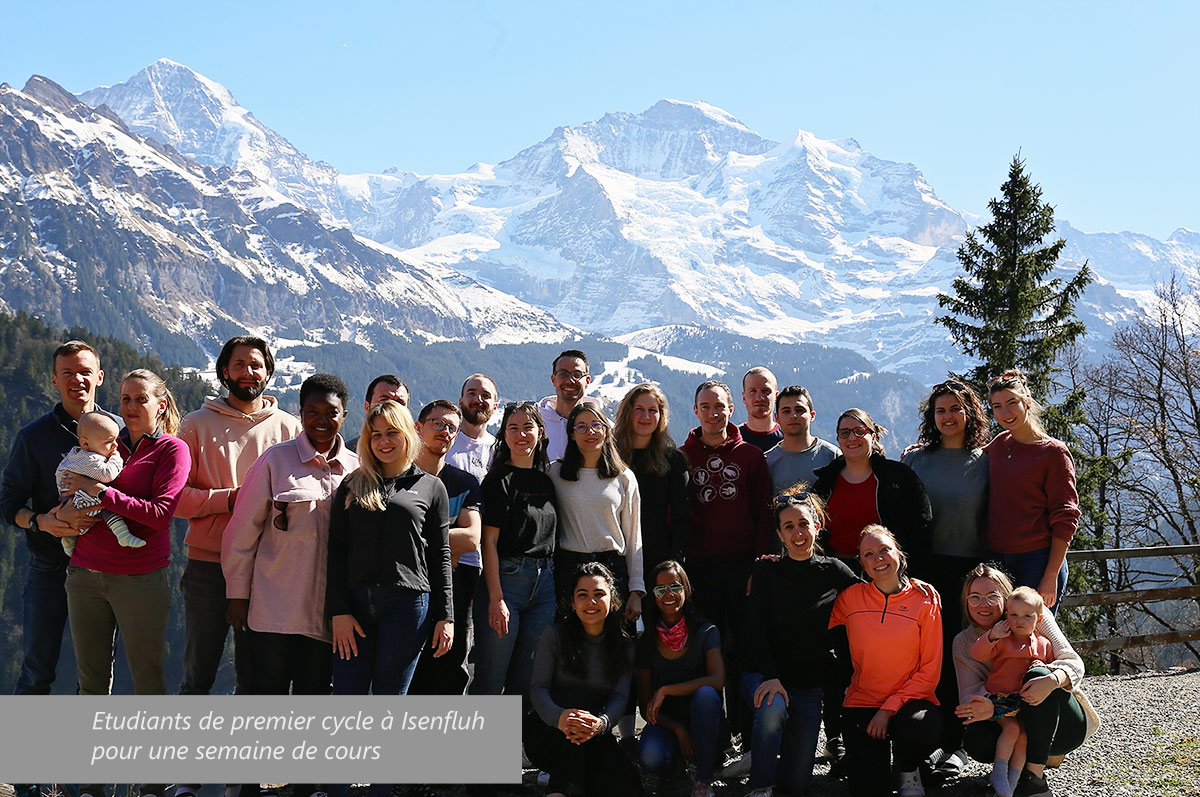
{"x": 991, "y": 599}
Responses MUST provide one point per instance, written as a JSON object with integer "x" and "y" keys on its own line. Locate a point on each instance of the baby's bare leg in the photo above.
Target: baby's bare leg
{"x": 1010, "y": 732}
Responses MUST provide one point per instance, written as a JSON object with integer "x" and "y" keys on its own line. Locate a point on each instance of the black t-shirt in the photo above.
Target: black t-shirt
{"x": 765, "y": 441}
{"x": 691, "y": 665}
{"x": 521, "y": 503}
{"x": 462, "y": 488}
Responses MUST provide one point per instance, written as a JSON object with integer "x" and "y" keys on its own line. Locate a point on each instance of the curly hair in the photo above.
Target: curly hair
{"x": 929, "y": 438}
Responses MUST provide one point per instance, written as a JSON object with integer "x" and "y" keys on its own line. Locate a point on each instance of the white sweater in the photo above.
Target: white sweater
{"x": 597, "y": 515}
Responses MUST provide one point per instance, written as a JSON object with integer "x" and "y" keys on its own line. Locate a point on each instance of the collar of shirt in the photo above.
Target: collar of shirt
{"x": 340, "y": 454}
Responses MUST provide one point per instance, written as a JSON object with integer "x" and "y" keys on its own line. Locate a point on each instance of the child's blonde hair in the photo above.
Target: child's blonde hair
{"x": 1027, "y": 595}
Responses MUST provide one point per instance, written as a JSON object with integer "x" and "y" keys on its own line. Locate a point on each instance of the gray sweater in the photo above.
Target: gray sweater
{"x": 553, "y": 690}
{"x": 956, "y": 480}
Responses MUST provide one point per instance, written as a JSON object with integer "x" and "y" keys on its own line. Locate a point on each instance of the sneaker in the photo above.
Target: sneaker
{"x": 525, "y": 762}
{"x": 1030, "y": 785}
{"x": 834, "y": 750}
{"x": 910, "y": 785}
{"x": 952, "y": 765}
{"x": 186, "y": 791}
{"x": 737, "y": 768}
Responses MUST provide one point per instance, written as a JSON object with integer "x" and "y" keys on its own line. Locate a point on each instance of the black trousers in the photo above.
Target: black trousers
{"x": 913, "y": 733}
{"x": 596, "y": 768}
{"x": 448, "y": 675}
{"x": 719, "y": 589}
{"x": 946, "y": 573}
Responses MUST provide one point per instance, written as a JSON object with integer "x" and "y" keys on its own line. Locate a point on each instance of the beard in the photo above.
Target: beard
{"x": 475, "y": 417}
{"x": 247, "y": 392}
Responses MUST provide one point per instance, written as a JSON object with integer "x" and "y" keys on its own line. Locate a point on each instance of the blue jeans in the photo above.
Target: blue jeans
{"x": 504, "y": 665}
{"x": 1028, "y": 568}
{"x": 44, "y": 619}
{"x": 658, "y": 745}
{"x": 785, "y": 737}
{"x": 396, "y": 622}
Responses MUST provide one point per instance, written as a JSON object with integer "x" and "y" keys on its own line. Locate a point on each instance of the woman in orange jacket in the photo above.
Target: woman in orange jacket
{"x": 894, "y": 628}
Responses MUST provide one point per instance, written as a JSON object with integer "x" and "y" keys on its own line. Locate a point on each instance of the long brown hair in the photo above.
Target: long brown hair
{"x": 656, "y": 459}
{"x": 610, "y": 465}
{"x": 976, "y": 436}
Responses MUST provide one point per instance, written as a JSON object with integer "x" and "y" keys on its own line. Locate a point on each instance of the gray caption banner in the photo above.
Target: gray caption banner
{"x": 278, "y": 739}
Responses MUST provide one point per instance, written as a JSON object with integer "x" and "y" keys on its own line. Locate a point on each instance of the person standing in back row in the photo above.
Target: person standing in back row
{"x": 758, "y": 394}
{"x": 800, "y": 453}
{"x": 570, "y": 375}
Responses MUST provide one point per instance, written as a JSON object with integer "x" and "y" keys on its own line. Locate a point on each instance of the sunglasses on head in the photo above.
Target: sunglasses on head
{"x": 1004, "y": 377}
{"x": 674, "y": 588}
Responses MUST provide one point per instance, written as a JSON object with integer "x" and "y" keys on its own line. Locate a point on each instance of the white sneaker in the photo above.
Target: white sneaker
{"x": 737, "y": 768}
{"x": 910, "y": 784}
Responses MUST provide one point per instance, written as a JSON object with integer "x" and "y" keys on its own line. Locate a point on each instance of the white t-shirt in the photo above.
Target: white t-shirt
{"x": 474, "y": 455}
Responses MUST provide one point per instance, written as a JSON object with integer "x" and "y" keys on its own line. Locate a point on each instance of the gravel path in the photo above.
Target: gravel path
{"x": 1148, "y": 746}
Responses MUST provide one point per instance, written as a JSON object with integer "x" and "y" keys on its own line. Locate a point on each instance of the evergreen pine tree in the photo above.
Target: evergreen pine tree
{"x": 1004, "y": 311}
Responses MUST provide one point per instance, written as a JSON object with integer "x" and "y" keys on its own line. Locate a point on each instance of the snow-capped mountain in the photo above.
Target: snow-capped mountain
{"x": 674, "y": 217}
{"x": 108, "y": 229}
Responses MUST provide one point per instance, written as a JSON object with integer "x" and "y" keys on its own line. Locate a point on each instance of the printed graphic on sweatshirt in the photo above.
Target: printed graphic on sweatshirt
{"x": 717, "y": 480}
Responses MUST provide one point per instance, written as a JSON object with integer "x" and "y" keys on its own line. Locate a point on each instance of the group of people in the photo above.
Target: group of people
{"x": 792, "y": 582}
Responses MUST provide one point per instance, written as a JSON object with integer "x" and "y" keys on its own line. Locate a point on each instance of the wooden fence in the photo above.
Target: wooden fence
{"x": 1133, "y": 596}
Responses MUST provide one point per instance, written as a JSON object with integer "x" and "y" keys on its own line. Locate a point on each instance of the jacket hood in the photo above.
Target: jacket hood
{"x": 219, "y": 405}
{"x": 695, "y": 439}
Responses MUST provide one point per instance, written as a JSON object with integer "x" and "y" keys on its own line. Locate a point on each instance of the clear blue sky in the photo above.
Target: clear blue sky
{"x": 1100, "y": 98}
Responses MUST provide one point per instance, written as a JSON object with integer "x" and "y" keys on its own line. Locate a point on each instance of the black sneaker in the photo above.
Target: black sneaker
{"x": 1031, "y": 785}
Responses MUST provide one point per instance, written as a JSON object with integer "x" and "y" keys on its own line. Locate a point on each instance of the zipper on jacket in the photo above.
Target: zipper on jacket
{"x": 883, "y": 614}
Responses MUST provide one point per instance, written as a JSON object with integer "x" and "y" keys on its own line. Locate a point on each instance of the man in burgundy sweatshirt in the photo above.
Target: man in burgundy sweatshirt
{"x": 730, "y": 526}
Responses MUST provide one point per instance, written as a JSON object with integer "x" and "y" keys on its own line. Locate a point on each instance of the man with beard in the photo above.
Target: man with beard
{"x": 570, "y": 376}
{"x": 225, "y": 437}
{"x": 437, "y": 427}
{"x": 472, "y": 449}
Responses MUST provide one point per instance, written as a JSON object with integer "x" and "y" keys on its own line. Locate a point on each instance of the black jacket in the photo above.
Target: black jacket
{"x": 901, "y": 501}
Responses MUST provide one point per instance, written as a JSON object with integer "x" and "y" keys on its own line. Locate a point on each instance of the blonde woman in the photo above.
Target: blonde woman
{"x": 389, "y": 561}
{"x": 1033, "y": 507}
{"x": 661, "y": 469}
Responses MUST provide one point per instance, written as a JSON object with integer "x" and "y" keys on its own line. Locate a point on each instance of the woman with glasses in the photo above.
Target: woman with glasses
{"x": 1056, "y": 715}
{"x": 863, "y": 487}
{"x": 791, "y": 658}
{"x": 1033, "y": 507}
{"x": 661, "y": 470}
{"x": 680, "y": 674}
{"x": 514, "y": 602}
{"x": 599, "y": 508}
{"x": 950, "y": 460}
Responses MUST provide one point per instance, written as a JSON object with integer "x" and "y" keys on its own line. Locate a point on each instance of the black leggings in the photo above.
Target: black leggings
{"x": 597, "y": 768}
{"x": 1056, "y": 726}
{"x": 913, "y": 733}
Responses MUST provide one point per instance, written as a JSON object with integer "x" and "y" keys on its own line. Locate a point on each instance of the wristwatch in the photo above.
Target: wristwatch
{"x": 33, "y": 524}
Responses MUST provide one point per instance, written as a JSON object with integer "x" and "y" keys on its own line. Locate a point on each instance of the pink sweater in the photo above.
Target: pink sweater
{"x": 1032, "y": 494}
{"x": 224, "y": 443}
{"x": 145, "y": 494}
{"x": 283, "y": 571}
{"x": 1010, "y": 658}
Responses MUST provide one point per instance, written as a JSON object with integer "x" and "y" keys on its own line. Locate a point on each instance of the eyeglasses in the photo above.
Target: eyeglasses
{"x": 281, "y": 519}
{"x": 575, "y": 376}
{"x": 594, "y": 428}
{"x": 674, "y": 588}
{"x": 991, "y": 599}
{"x": 950, "y": 384}
{"x": 857, "y": 431}
{"x": 1004, "y": 376}
{"x": 440, "y": 425}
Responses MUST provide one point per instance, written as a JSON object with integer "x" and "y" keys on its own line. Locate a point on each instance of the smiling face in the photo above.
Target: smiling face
{"x": 570, "y": 379}
{"x": 438, "y": 430}
{"x": 646, "y": 415}
{"x": 798, "y": 531}
{"x": 713, "y": 409}
{"x": 794, "y": 416}
{"x": 76, "y": 377}
{"x": 1010, "y": 409}
{"x": 388, "y": 443}
{"x": 478, "y": 401}
{"x": 383, "y": 391}
{"x": 140, "y": 408}
{"x": 246, "y": 375}
{"x": 984, "y": 602}
{"x": 951, "y": 419}
{"x": 854, "y": 447}
{"x": 591, "y": 601}
{"x": 589, "y": 432}
{"x": 521, "y": 434}
{"x": 322, "y": 415}
{"x": 758, "y": 394}
{"x": 880, "y": 558}
{"x": 670, "y": 603}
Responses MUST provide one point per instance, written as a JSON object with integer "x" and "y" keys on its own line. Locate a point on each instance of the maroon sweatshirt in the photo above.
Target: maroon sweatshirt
{"x": 730, "y": 498}
{"x": 1033, "y": 495}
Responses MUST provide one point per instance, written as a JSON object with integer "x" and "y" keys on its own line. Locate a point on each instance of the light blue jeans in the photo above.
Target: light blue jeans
{"x": 785, "y": 737}
{"x": 504, "y": 665}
